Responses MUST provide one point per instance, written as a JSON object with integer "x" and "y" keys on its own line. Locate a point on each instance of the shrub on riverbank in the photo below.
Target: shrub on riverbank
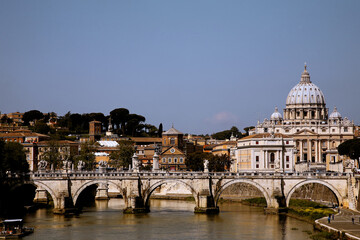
{"x": 308, "y": 210}
{"x": 259, "y": 202}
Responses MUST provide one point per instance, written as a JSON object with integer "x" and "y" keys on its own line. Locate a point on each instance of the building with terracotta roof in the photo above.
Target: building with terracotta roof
{"x": 173, "y": 159}
{"x": 173, "y": 137}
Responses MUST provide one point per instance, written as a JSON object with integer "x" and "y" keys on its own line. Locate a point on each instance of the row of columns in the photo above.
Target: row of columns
{"x": 291, "y": 114}
{"x": 309, "y": 149}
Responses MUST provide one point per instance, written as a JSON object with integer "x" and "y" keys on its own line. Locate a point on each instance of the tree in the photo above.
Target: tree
{"x": 119, "y": 116}
{"x": 218, "y": 163}
{"x": 123, "y": 156}
{"x": 87, "y": 155}
{"x": 12, "y": 158}
{"x": 41, "y": 127}
{"x": 160, "y": 130}
{"x": 6, "y": 119}
{"x": 350, "y": 148}
{"x": 132, "y": 125}
{"x": 226, "y": 134}
{"x": 31, "y": 116}
{"x": 195, "y": 161}
{"x": 247, "y": 130}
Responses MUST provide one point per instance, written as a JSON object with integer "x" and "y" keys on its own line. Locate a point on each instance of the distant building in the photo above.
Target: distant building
{"x": 173, "y": 138}
{"x": 264, "y": 152}
{"x": 15, "y": 116}
{"x": 172, "y": 159}
{"x": 315, "y": 134}
{"x": 95, "y": 130}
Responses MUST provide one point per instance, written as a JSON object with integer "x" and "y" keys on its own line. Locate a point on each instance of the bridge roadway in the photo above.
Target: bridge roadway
{"x": 137, "y": 187}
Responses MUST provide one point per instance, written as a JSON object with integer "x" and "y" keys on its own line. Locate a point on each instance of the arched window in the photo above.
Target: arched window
{"x": 272, "y": 157}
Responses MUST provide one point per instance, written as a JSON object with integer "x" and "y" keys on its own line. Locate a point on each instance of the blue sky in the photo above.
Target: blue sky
{"x": 203, "y": 65}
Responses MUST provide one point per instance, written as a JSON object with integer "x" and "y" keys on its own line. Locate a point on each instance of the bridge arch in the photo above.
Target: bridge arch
{"x": 151, "y": 189}
{"x": 328, "y": 185}
{"x": 231, "y": 182}
{"x": 93, "y": 182}
{"x": 37, "y": 183}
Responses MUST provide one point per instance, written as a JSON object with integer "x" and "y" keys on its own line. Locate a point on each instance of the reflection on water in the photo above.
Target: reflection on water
{"x": 167, "y": 220}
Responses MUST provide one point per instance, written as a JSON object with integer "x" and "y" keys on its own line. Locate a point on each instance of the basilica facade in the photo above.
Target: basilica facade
{"x": 304, "y": 138}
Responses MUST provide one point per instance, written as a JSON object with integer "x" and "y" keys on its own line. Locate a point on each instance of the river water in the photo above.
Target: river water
{"x": 168, "y": 219}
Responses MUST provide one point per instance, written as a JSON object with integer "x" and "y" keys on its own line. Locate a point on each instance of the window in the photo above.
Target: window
{"x": 172, "y": 141}
{"x": 265, "y": 129}
{"x": 175, "y": 160}
{"x": 181, "y": 160}
{"x": 287, "y": 158}
{"x": 287, "y": 142}
{"x": 257, "y": 158}
{"x": 257, "y": 165}
{"x": 345, "y": 129}
{"x": 164, "y": 160}
{"x": 257, "y": 142}
{"x": 164, "y": 141}
{"x": 272, "y": 157}
{"x": 169, "y": 160}
{"x": 287, "y": 165}
{"x": 333, "y": 130}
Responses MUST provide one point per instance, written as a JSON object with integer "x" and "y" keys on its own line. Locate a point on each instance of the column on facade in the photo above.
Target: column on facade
{"x": 266, "y": 159}
{"x": 309, "y": 150}
{"x": 302, "y": 113}
{"x": 319, "y": 151}
{"x": 316, "y": 150}
{"x": 301, "y": 150}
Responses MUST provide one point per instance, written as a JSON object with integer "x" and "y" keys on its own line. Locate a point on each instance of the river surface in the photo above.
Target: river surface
{"x": 168, "y": 219}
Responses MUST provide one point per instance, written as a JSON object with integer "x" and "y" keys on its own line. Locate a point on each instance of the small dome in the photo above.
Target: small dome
{"x": 335, "y": 114}
{"x": 276, "y": 115}
{"x": 305, "y": 92}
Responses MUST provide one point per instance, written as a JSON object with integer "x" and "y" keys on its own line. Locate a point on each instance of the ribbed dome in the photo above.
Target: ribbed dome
{"x": 305, "y": 92}
{"x": 276, "y": 115}
{"x": 335, "y": 114}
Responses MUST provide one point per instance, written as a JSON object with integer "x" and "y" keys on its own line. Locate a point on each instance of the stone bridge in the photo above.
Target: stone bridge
{"x": 137, "y": 187}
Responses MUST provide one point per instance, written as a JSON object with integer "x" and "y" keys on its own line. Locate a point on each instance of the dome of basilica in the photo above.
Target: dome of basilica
{"x": 305, "y": 92}
{"x": 335, "y": 114}
{"x": 276, "y": 115}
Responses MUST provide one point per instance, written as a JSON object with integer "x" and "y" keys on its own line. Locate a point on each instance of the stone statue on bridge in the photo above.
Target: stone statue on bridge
{"x": 81, "y": 165}
{"x": 206, "y": 165}
{"x": 42, "y": 165}
{"x": 136, "y": 163}
{"x": 67, "y": 165}
{"x": 102, "y": 166}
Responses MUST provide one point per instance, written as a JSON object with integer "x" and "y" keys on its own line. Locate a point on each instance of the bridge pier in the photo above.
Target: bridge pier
{"x": 206, "y": 203}
{"x": 63, "y": 204}
{"x": 102, "y": 192}
{"x": 135, "y": 204}
{"x": 41, "y": 196}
